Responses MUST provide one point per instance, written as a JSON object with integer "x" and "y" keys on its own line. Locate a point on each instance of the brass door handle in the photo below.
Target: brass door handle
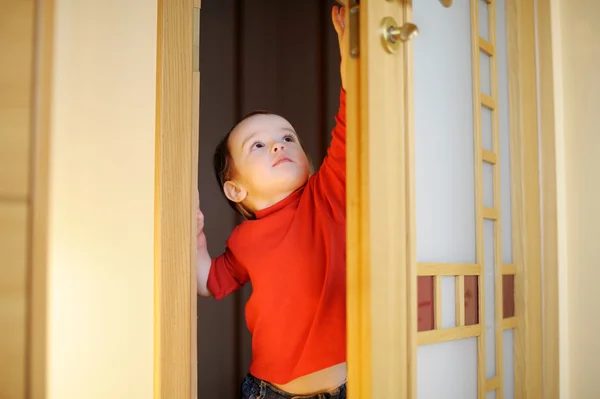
{"x": 392, "y": 35}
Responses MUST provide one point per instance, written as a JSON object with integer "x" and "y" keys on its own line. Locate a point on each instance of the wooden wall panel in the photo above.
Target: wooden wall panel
{"x": 16, "y": 47}
{"x": 16, "y": 68}
{"x": 260, "y": 54}
{"x": 13, "y": 253}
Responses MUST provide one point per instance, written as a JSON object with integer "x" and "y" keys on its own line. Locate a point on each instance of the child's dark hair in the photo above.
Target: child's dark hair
{"x": 224, "y": 168}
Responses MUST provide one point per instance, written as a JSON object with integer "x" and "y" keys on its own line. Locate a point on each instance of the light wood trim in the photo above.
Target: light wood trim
{"x": 550, "y": 242}
{"x": 489, "y": 156}
{"x": 486, "y": 46}
{"x": 478, "y": 99}
{"x": 194, "y": 280}
{"x": 174, "y": 193}
{"x": 41, "y": 124}
{"x": 498, "y": 311}
{"x": 411, "y": 243}
{"x": 358, "y": 303}
{"x": 525, "y": 197}
{"x": 195, "y": 195}
{"x": 437, "y": 302}
{"x": 460, "y": 301}
{"x": 449, "y": 334}
{"x": 488, "y": 101}
{"x": 510, "y": 322}
{"x": 493, "y": 383}
{"x": 380, "y": 108}
{"x": 509, "y": 269}
{"x": 490, "y": 213}
{"x": 448, "y": 269}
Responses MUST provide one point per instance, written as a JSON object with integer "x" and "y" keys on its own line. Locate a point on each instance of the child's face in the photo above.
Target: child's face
{"x": 268, "y": 159}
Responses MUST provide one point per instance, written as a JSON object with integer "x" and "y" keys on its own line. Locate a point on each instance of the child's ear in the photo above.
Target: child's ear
{"x": 234, "y": 191}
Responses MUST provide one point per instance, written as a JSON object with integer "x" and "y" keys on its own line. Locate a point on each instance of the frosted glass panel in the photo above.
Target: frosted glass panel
{"x": 445, "y": 191}
{"x": 485, "y": 71}
{"x": 447, "y": 370}
{"x": 486, "y": 128}
{"x": 448, "y": 302}
{"x": 509, "y": 363}
{"x": 490, "y": 311}
{"x": 504, "y": 131}
{"x": 491, "y": 395}
{"x": 484, "y": 30}
{"x": 488, "y": 185}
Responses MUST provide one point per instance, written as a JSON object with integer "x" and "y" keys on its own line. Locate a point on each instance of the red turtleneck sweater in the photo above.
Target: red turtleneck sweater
{"x": 294, "y": 253}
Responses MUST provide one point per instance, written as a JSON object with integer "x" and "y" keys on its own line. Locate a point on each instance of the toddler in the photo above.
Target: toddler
{"x": 292, "y": 247}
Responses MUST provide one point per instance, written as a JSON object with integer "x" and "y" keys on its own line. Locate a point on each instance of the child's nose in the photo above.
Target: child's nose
{"x": 278, "y": 147}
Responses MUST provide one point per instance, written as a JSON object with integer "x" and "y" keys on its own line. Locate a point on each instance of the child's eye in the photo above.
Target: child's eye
{"x": 257, "y": 145}
{"x": 289, "y": 138}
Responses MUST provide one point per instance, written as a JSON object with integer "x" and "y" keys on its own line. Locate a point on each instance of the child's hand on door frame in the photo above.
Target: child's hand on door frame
{"x": 338, "y": 17}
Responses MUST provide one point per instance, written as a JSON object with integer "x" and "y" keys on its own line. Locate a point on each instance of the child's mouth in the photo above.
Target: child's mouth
{"x": 282, "y": 160}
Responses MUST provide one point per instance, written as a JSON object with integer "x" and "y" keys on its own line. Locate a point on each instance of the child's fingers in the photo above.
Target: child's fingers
{"x": 335, "y": 18}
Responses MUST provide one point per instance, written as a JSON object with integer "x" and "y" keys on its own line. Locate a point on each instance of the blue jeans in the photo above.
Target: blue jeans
{"x": 254, "y": 388}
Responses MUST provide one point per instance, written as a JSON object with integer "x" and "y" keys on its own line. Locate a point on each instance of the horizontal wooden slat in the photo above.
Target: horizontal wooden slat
{"x": 511, "y": 322}
{"x": 488, "y": 1}
{"x": 509, "y": 269}
{"x": 492, "y": 383}
{"x": 488, "y": 101}
{"x": 486, "y": 47}
{"x": 490, "y": 213}
{"x": 448, "y": 334}
{"x": 448, "y": 269}
{"x": 489, "y": 156}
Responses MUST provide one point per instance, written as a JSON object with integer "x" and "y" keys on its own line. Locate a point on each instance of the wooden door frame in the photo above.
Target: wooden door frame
{"x": 177, "y": 125}
{"x": 389, "y": 285}
{"x": 373, "y": 219}
{"x": 549, "y": 70}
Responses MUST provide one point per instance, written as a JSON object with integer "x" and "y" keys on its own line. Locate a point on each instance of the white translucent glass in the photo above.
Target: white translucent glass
{"x": 484, "y": 29}
{"x": 509, "y": 364}
{"x": 504, "y": 131}
{"x": 490, "y": 394}
{"x": 490, "y": 311}
{"x": 485, "y": 73}
{"x": 447, "y": 370}
{"x": 448, "y": 302}
{"x": 444, "y": 166}
{"x": 486, "y": 128}
{"x": 488, "y": 185}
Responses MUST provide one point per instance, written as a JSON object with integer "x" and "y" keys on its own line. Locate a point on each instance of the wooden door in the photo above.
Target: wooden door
{"x": 444, "y": 281}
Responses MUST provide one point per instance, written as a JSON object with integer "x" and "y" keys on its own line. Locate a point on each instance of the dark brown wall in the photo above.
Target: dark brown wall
{"x": 259, "y": 54}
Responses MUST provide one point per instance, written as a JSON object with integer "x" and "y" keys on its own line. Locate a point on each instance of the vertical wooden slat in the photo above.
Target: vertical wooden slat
{"x": 460, "y": 301}
{"x": 411, "y": 243}
{"x": 498, "y": 332}
{"x": 546, "y": 50}
{"x": 358, "y": 231}
{"x": 437, "y": 302}
{"x": 174, "y": 205}
{"x": 481, "y": 372}
{"x": 38, "y": 227}
{"x": 525, "y": 197}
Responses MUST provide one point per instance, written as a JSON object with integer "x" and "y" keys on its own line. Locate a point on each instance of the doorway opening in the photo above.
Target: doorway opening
{"x": 255, "y": 55}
